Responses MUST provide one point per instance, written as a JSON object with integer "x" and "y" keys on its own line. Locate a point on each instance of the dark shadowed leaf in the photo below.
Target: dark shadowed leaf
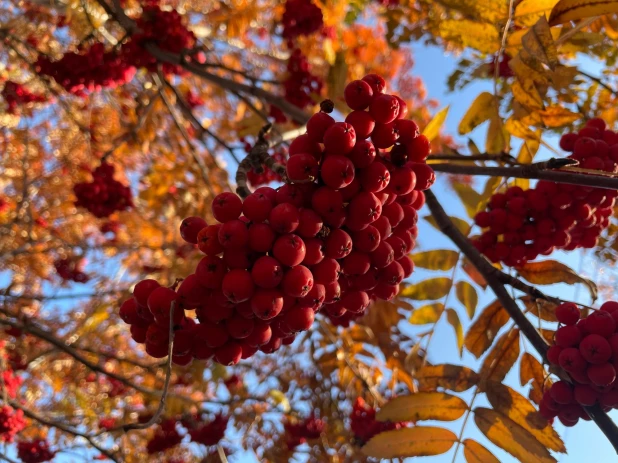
{"x": 485, "y": 328}
{"x": 467, "y": 296}
{"x": 549, "y": 272}
{"x": 501, "y": 358}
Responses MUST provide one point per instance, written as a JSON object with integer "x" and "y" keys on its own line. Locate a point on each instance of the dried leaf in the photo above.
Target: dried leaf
{"x": 558, "y": 116}
{"x": 549, "y": 272}
{"x": 501, "y": 358}
{"x": 410, "y": 442}
{"x": 456, "y": 378}
{"x": 543, "y": 309}
{"x": 423, "y": 406}
{"x": 539, "y": 42}
{"x": 485, "y": 328}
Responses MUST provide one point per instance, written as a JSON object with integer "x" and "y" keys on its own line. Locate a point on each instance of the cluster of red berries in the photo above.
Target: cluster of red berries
{"x": 11, "y": 423}
{"x": 337, "y": 238}
{"x": 301, "y": 17}
{"x": 300, "y": 84}
{"x": 298, "y": 432}
{"x": 587, "y": 349}
{"x": 97, "y": 68}
{"x": 9, "y": 382}
{"x": 71, "y": 270}
{"x": 166, "y": 30}
{"x": 206, "y": 433}
{"x": 363, "y": 422}
{"x": 17, "y": 95}
{"x": 166, "y": 436}
{"x": 87, "y": 71}
{"x": 34, "y": 451}
{"x": 193, "y": 99}
{"x": 522, "y": 225}
{"x": 103, "y": 195}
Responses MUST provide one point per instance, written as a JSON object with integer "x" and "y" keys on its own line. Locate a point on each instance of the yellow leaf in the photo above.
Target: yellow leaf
{"x": 482, "y": 37}
{"x": 329, "y": 52}
{"x": 427, "y": 314}
{"x": 557, "y": 116}
{"x": 473, "y": 273}
{"x": 528, "y": 12}
{"x": 467, "y": 296}
{"x": 439, "y": 259}
{"x": 501, "y": 358}
{"x": 434, "y": 288}
{"x": 497, "y": 137}
{"x": 543, "y": 309}
{"x": 453, "y": 319}
{"x": 549, "y": 272}
{"x": 432, "y": 130}
{"x": 524, "y": 72}
{"x": 423, "y": 406}
{"x": 410, "y": 442}
{"x": 485, "y": 10}
{"x": 469, "y": 197}
{"x": 572, "y": 10}
{"x": 513, "y": 405}
{"x": 519, "y": 129}
{"x": 456, "y": 378}
{"x": 527, "y": 96}
{"x": 530, "y": 369}
{"x": 280, "y": 399}
{"x": 539, "y": 42}
{"x": 508, "y": 435}
{"x": 485, "y": 328}
{"x": 528, "y": 150}
{"x": 482, "y": 109}
{"x": 476, "y": 453}
{"x": 460, "y": 224}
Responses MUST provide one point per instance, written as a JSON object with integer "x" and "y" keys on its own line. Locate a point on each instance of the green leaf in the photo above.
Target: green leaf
{"x": 410, "y": 442}
{"x": 432, "y": 130}
{"x": 453, "y": 319}
{"x": 430, "y": 313}
{"x": 423, "y": 406}
{"x": 467, "y": 296}
{"x": 434, "y": 288}
{"x": 439, "y": 259}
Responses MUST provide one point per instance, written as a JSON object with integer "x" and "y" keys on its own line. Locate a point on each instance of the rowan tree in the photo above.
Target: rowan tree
{"x": 209, "y": 217}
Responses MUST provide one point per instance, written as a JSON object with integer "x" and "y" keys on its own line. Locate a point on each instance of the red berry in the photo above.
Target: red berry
{"x": 425, "y": 176}
{"x": 368, "y": 239}
{"x": 602, "y": 375}
{"x": 210, "y": 272}
{"x": 382, "y": 256}
{"x": 408, "y": 131}
{"x": 385, "y": 135}
{"x": 267, "y": 272}
{"x": 567, "y": 141}
{"x": 375, "y": 177}
{"x": 363, "y": 154}
{"x": 337, "y": 171}
{"x": 363, "y": 124}
{"x": 355, "y": 301}
{"x": 317, "y": 126}
{"x": 609, "y": 306}
{"x": 310, "y": 223}
{"x": 302, "y": 167}
{"x": 299, "y": 318}
{"x": 237, "y": 285}
{"x": 297, "y": 281}
{"x": 128, "y": 312}
{"x": 234, "y": 234}
{"x": 567, "y": 336}
{"x": 143, "y": 290}
{"x": 338, "y": 244}
{"x": 562, "y": 392}
{"x": 571, "y": 359}
{"x": 376, "y": 82}
{"x": 289, "y": 250}
{"x": 314, "y": 251}
{"x": 567, "y": 313}
{"x": 356, "y": 263}
{"x": 601, "y": 323}
{"x": 418, "y": 149}
{"x": 403, "y": 181}
{"x": 261, "y": 237}
{"x": 585, "y": 395}
{"x": 229, "y": 354}
{"x": 208, "y": 240}
{"x": 284, "y": 218}
{"x": 326, "y": 272}
{"x": 384, "y": 108}
{"x": 138, "y": 333}
{"x": 595, "y": 349}
{"x": 257, "y": 207}
{"x": 267, "y": 303}
{"x": 226, "y": 206}
{"x": 407, "y": 265}
{"x": 340, "y": 138}
{"x": 358, "y": 94}
{"x": 190, "y": 227}
{"x": 260, "y": 335}
{"x": 304, "y": 144}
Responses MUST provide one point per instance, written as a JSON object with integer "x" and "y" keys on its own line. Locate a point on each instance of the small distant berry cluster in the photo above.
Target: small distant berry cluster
{"x": 266, "y": 176}
{"x": 208, "y": 433}
{"x": 300, "y": 85}
{"x": 11, "y": 420}
{"x": 17, "y": 95}
{"x": 364, "y": 425}
{"x": 71, "y": 270}
{"x": 587, "y": 349}
{"x": 298, "y": 432}
{"x": 336, "y": 237}
{"x": 103, "y": 195}
{"x": 34, "y": 451}
{"x": 301, "y": 17}
{"x": 521, "y": 225}
{"x": 95, "y": 68}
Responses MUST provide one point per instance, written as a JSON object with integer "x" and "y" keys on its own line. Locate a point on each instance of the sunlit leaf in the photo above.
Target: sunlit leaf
{"x": 527, "y": 96}
{"x": 543, "y": 309}
{"x": 483, "y": 331}
{"x": 501, "y": 357}
{"x": 549, "y": 272}
{"x": 462, "y": 225}
{"x": 497, "y": 137}
{"x": 516, "y": 407}
{"x": 453, "y": 319}
{"x": 410, "y": 442}
{"x": 423, "y": 406}
{"x": 432, "y": 130}
{"x": 531, "y": 370}
{"x": 476, "y": 453}
{"x": 572, "y": 10}
{"x": 480, "y": 36}
{"x": 470, "y": 198}
{"x": 439, "y": 259}
{"x": 427, "y": 314}
{"x": 482, "y": 109}
{"x": 558, "y": 116}
{"x": 456, "y": 378}
{"x": 509, "y": 436}
{"x": 528, "y": 150}
{"x": 434, "y": 288}
{"x": 467, "y": 296}
{"x": 528, "y": 12}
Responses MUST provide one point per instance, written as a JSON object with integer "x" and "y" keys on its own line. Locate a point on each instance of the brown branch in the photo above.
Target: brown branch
{"x": 598, "y": 81}
{"x": 496, "y": 282}
{"x": 63, "y": 427}
{"x": 502, "y": 157}
{"x": 539, "y": 171}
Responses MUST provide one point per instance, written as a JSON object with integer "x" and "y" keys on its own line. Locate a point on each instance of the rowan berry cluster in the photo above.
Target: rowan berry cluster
{"x": 165, "y": 437}
{"x": 103, "y": 195}
{"x": 300, "y": 84}
{"x": 34, "y": 451}
{"x": 9, "y": 382}
{"x": 338, "y": 237}
{"x": 301, "y": 17}
{"x": 363, "y": 422}
{"x": 71, "y": 270}
{"x": 298, "y": 432}
{"x": 206, "y": 433}
{"x": 587, "y": 349}
{"x": 89, "y": 70}
{"x": 521, "y": 225}
{"x": 17, "y": 95}
{"x": 11, "y": 423}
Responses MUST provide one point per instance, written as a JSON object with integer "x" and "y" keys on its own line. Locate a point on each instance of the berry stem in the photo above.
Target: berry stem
{"x": 493, "y": 277}
{"x": 539, "y": 171}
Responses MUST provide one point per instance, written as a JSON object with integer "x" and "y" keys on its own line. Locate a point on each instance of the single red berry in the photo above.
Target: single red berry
{"x": 310, "y": 223}
{"x": 302, "y": 167}
{"x": 228, "y": 354}
{"x": 567, "y": 336}
{"x": 392, "y": 274}
{"x": 385, "y": 135}
{"x": 190, "y": 227}
{"x": 567, "y": 313}
{"x": 233, "y": 234}
{"x": 143, "y": 290}
{"x": 602, "y": 375}
{"x": 284, "y": 218}
{"x": 338, "y": 244}
{"x": 407, "y": 265}
{"x": 363, "y": 154}
{"x": 408, "y": 132}
{"x": 326, "y": 272}
{"x": 367, "y": 240}
{"x": 340, "y": 138}
{"x": 257, "y": 207}
{"x": 385, "y": 291}
{"x": 226, "y": 206}
{"x": 314, "y": 251}
{"x": 425, "y": 176}
{"x": 601, "y": 323}
{"x": 267, "y": 303}
{"x": 128, "y": 312}
{"x": 289, "y": 250}
{"x": 571, "y": 359}
{"x": 585, "y": 395}
{"x": 384, "y": 108}
{"x": 317, "y": 126}
{"x": 237, "y": 285}
{"x": 356, "y": 263}
{"x": 418, "y": 149}
{"x": 403, "y": 181}
{"x": 376, "y": 82}
{"x": 567, "y": 141}
{"x": 358, "y": 94}
{"x": 562, "y": 392}
{"x": 382, "y": 256}
{"x": 363, "y": 124}
{"x": 299, "y": 318}
{"x": 210, "y": 272}
{"x": 337, "y": 171}
{"x": 208, "y": 240}
{"x": 261, "y": 237}
{"x": 375, "y": 177}
{"x": 609, "y": 306}
{"x": 267, "y": 272}
{"x": 260, "y": 335}
{"x": 297, "y": 281}
{"x": 595, "y": 349}
{"x": 304, "y": 144}
{"x": 138, "y": 333}
{"x": 355, "y": 301}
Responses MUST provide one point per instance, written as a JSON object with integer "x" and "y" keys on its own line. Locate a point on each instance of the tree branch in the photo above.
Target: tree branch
{"x": 496, "y": 282}
{"x": 540, "y": 171}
